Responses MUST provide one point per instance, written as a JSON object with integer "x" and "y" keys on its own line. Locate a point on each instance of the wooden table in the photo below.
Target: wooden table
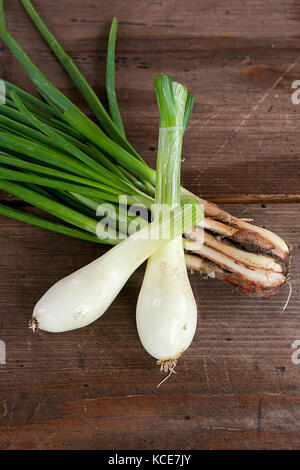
{"x": 236, "y": 387}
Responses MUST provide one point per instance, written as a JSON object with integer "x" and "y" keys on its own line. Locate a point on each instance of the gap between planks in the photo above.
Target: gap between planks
{"x": 254, "y": 199}
{"x": 216, "y": 199}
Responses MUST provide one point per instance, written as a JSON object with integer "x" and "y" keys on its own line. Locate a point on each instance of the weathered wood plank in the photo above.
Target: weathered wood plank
{"x": 236, "y": 387}
{"x": 239, "y": 59}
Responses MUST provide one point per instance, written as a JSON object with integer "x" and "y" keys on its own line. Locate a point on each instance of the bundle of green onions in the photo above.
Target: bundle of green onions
{"x": 166, "y": 310}
{"x": 57, "y": 159}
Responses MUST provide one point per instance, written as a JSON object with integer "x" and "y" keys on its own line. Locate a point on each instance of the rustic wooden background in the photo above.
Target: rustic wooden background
{"x": 236, "y": 387}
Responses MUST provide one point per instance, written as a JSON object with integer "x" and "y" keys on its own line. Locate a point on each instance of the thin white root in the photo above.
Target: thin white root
{"x": 33, "y": 324}
{"x": 167, "y": 366}
{"x": 288, "y": 299}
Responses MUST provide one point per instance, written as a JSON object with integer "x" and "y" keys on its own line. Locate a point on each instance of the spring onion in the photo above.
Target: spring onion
{"x": 82, "y": 297}
{"x": 166, "y": 313}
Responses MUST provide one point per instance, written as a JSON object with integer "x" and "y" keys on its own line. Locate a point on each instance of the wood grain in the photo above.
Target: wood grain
{"x": 236, "y": 387}
{"x": 239, "y": 59}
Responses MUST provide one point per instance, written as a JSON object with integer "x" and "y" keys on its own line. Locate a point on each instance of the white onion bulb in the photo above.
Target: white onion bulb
{"x": 83, "y": 296}
{"x": 166, "y": 312}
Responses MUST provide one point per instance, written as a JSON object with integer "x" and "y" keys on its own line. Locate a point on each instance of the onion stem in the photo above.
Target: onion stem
{"x": 166, "y": 313}
{"x": 110, "y": 78}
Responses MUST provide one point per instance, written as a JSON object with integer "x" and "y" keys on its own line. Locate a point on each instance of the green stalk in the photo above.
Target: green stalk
{"x": 24, "y": 126}
{"x": 145, "y": 188}
{"x": 65, "y": 129}
{"x": 85, "y": 89}
{"x": 74, "y": 116}
{"x": 124, "y": 158}
{"x": 10, "y": 110}
{"x": 71, "y": 113}
{"x": 70, "y": 139}
{"x": 110, "y": 78}
{"x": 44, "y": 154}
{"x": 44, "y": 170}
{"x": 171, "y": 98}
{"x": 56, "y": 158}
{"x": 67, "y": 146}
{"x": 187, "y": 112}
{"x": 32, "y": 99}
{"x": 15, "y": 121}
{"x": 106, "y": 162}
{"x": 49, "y": 225}
{"x": 70, "y": 200}
{"x": 119, "y": 216}
{"x": 32, "y": 70}
{"x": 103, "y": 193}
{"x": 174, "y": 105}
{"x": 52, "y": 207}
